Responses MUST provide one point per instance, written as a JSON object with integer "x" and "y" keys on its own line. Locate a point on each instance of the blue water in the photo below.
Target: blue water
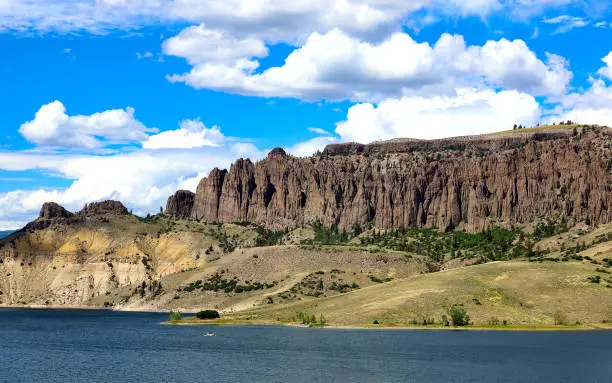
{"x": 103, "y": 346}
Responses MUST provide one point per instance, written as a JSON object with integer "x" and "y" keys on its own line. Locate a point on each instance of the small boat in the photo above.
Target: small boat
{"x": 209, "y": 334}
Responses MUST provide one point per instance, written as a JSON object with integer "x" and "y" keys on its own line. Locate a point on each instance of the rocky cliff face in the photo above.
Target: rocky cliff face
{"x": 470, "y": 182}
{"x": 180, "y": 204}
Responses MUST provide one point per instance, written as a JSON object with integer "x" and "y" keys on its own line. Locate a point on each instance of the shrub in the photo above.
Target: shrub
{"x": 458, "y": 316}
{"x": 445, "y": 321}
{"x": 208, "y": 314}
{"x": 560, "y": 318}
{"x": 494, "y": 321}
{"x": 175, "y": 315}
{"x": 594, "y": 279}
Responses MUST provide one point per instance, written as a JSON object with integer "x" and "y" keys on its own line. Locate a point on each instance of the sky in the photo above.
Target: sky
{"x": 134, "y": 99}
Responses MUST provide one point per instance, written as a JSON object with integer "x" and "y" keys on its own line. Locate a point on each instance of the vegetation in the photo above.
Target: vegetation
{"x": 374, "y": 278}
{"x": 495, "y": 244}
{"x": 595, "y": 279}
{"x": 560, "y": 318}
{"x": 217, "y": 283}
{"x": 268, "y": 237}
{"x": 458, "y": 316}
{"x": 310, "y": 320}
{"x": 329, "y": 236}
{"x": 208, "y": 314}
{"x": 313, "y": 286}
{"x": 175, "y": 316}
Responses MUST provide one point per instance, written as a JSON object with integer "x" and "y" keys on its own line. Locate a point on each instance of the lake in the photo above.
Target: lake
{"x": 105, "y": 346}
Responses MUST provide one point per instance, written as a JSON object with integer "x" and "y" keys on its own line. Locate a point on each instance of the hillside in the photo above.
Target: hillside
{"x": 520, "y": 293}
{"x": 469, "y": 183}
{"x": 514, "y": 226}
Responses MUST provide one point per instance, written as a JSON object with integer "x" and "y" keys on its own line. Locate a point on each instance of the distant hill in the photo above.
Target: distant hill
{"x": 6, "y": 233}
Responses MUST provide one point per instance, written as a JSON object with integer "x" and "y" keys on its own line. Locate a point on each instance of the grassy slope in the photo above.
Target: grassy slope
{"x": 520, "y": 292}
{"x": 538, "y": 129}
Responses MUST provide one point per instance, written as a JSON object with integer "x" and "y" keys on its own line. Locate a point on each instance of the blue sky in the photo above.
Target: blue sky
{"x": 132, "y": 100}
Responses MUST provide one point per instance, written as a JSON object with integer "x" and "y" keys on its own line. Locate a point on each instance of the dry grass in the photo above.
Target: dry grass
{"x": 521, "y": 293}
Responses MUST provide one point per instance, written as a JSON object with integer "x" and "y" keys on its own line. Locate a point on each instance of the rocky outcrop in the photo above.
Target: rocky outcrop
{"x": 51, "y": 213}
{"x": 104, "y": 207}
{"x": 470, "y": 182}
{"x": 51, "y": 210}
{"x": 180, "y": 204}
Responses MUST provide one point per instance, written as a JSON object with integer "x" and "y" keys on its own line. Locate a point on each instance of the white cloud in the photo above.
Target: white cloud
{"x": 146, "y": 55}
{"x": 594, "y": 106}
{"x": 142, "y": 180}
{"x": 566, "y": 23}
{"x": 192, "y": 134}
{"x": 606, "y": 71}
{"x": 272, "y": 20}
{"x": 308, "y": 148}
{"x": 470, "y": 111}
{"x": 320, "y": 131}
{"x": 337, "y": 66}
{"x": 53, "y": 127}
{"x": 199, "y": 45}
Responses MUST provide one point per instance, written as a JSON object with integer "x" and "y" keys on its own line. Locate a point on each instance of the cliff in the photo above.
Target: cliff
{"x": 471, "y": 182}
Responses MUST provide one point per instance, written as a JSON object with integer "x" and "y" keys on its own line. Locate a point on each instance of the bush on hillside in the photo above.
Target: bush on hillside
{"x": 458, "y": 316}
{"x": 208, "y": 314}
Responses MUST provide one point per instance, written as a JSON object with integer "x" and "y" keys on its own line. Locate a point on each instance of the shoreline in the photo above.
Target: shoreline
{"x": 525, "y": 328}
{"x": 192, "y": 321}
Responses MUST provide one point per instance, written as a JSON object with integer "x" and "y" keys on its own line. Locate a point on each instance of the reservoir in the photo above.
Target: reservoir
{"x": 107, "y": 346}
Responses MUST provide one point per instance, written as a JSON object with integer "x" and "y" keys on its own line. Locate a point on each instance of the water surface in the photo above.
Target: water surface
{"x": 105, "y": 346}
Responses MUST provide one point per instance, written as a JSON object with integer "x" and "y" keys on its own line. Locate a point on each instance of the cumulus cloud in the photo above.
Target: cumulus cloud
{"x": 198, "y": 45}
{"x": 606, "y": 71}
{"x": 142, "y": 179}
{"x": 337, "y": 66}
{"x": 191, "y": 134}
{"x": 591, "y": 106}
{"x": 594, "y": 106}
{"x": 51, "y": 126}
{"x": 308, "y": 148}
{"x": 470, "y": 111}
{"x": 273, "y": 20}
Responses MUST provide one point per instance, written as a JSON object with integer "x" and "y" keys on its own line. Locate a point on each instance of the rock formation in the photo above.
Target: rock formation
{"x": 52, "y": 213}
{"x": 180, "y": 204}
{"x": 51, "y": 210}
{"x": 104, "y": 207}
{"x": 471, "y": 182}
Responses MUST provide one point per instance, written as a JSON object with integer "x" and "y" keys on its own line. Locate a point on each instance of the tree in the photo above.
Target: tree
{"x": 175, "y": 315}
{"x": 514, "y": 127}
{"x": 458, "y": 316}
{"x": 142, "y": 288}
{"x": 322, "y": 320}
{"x": 574, "y": 131}
{"x": 208, "y": 314}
